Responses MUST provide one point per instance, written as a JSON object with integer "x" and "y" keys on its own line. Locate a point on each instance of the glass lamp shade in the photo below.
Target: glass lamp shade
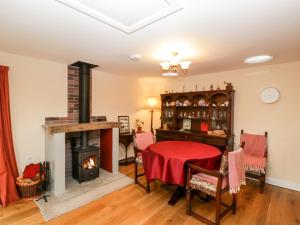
{"x": 152, "y": 102}
{"x": 165, "y": 65}
{"x": 185, "y": 64}
{"x": 170, "y": 74}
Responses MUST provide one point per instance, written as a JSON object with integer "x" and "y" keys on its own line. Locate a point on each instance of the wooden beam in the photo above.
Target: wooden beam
{"x": 67, "y": 128}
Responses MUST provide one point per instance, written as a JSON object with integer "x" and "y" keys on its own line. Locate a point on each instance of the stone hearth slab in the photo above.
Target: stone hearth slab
{"x": 77, "y": 194}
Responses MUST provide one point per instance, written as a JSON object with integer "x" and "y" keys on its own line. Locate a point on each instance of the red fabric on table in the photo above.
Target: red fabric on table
{"x": 166, "y": 160}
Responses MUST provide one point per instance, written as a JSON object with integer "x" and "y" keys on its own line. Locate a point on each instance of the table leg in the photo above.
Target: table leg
{"x": 178, "y": 194}
{"x": 126, "y": 154}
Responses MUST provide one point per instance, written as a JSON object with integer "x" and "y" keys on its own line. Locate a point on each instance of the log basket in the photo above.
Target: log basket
{"x": 28, "y": 188}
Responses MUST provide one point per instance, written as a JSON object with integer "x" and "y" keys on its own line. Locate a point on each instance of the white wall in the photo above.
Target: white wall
{"x": 114, "y": 96}
{"x": 280, "y": 119}
{"x": 37, "y": 90}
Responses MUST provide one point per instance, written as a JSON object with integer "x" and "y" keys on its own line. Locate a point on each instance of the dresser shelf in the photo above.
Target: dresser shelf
{"x": 211, "y": 109}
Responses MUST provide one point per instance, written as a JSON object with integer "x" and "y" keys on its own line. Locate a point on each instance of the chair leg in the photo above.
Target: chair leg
{"x": 218, "y": 207}
{"x": 188, "y": 198}
{"x": 136, "y": 181}
{"x": 135, "y": 173}
{"x": 262, "y": 181}
{"x": 234, "y": 197}
{"x": 148, "y": 187}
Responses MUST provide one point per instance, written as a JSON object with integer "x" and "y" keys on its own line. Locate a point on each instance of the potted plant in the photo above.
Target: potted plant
{"x": 139, "y": 124}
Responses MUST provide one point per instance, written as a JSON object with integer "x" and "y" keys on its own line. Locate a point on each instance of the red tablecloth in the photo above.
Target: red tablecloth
{"x": 166, "y": 160}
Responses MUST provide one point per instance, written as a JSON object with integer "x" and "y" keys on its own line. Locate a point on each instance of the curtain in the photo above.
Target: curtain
{"x": 8, "y": 165}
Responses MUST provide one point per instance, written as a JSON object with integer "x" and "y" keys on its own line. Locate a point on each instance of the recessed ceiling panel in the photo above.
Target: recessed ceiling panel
{"x": 127, "y": 16}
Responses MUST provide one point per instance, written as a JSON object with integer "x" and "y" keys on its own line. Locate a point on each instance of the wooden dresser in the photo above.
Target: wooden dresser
{"x": 188, "y": 116}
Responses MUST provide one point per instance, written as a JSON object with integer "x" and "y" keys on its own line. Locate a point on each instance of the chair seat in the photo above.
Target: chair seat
{"x": 139, "y": 159}
{"x": 255, "y": 164}
{"x": 207, "y": 183}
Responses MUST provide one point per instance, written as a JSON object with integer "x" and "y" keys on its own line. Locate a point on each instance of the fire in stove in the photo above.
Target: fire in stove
{"x": 89, "y": 163}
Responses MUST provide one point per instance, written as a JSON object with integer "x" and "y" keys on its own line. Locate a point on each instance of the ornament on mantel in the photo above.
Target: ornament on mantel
{"x": 228, "y": 85}
{"x": 211, "y": 87}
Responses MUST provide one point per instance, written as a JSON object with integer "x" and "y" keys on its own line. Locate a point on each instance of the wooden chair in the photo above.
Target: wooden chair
{"x": 141, "y": 142}
{"x": 256, "y": 154}
{"x": 213, "y": 183}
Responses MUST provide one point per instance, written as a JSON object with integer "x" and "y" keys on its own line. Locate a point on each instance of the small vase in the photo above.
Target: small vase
{"x": 139, "y": 129}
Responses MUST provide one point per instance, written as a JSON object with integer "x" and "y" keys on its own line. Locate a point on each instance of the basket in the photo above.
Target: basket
{"x": 27, "y": 187}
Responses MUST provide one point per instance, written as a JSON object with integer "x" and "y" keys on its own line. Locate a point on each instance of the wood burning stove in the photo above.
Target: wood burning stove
{"x": 85, "y": 158}
{"x": 85, "y": 163}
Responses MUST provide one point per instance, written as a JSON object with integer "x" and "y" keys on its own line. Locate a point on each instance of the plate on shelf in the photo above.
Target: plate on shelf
{"x": 186, "y": 124}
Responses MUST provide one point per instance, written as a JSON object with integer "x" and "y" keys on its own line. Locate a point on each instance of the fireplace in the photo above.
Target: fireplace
{"x": 96, "y": 140}
{"x": 85, "y": 158}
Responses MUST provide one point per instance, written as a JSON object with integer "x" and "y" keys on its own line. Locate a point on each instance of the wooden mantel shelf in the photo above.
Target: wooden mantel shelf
{"x": 75, "y": 127}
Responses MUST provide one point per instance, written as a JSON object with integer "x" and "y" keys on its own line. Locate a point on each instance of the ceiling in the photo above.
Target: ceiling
{"x": 216, "y": 35}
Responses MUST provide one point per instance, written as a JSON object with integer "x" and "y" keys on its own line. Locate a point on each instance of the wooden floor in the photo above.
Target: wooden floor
{"x": 131, "y": 205}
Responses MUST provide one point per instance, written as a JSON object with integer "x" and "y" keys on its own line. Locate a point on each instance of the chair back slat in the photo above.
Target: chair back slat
{"x": 143, "y": 140}
{"x": 224, "y": 164}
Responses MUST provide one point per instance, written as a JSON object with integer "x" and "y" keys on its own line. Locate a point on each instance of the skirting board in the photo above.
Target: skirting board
{"x": 283, "y": 183}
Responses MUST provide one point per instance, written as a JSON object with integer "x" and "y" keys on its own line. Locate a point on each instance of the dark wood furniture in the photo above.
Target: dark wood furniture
{"x": 206, "y": 110}
{"x": 126, "y": 139}
{"x": 260, "y": 177}
{"x": 216, "y": 194}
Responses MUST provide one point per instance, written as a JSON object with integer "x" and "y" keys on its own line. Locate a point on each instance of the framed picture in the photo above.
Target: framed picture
{"x": 186, "y": 124}
{"x": 124, "y": 122}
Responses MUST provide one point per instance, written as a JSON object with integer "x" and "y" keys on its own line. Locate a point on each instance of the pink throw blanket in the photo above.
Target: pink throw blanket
{"x": 255, "y": 164}
{"x": 236, "y": 170}
{"x": 255, "y": 150}
{"x": 143, "y": 140}
{"x": 255, "y": 145}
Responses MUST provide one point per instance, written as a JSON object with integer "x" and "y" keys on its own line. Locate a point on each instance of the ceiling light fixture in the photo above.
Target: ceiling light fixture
{"x": 135, "y": 57}
{"x": 174, "y": 66}
{"x": 258, "y": 59}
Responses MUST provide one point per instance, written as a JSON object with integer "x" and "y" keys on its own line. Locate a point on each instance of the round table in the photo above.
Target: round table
{"x": 166, "y": 160}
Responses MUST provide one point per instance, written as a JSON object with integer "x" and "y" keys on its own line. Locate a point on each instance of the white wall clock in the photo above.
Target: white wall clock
{"x": 269, "y": 95}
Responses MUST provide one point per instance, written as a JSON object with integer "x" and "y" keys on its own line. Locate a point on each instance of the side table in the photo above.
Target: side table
{"x": 126, "y": 139}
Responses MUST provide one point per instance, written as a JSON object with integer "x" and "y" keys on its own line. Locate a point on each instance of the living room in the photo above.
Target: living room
{"x": 206, "y": 45}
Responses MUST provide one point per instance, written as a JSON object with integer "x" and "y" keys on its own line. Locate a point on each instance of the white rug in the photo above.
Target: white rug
{"x": 77, "y": 194}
